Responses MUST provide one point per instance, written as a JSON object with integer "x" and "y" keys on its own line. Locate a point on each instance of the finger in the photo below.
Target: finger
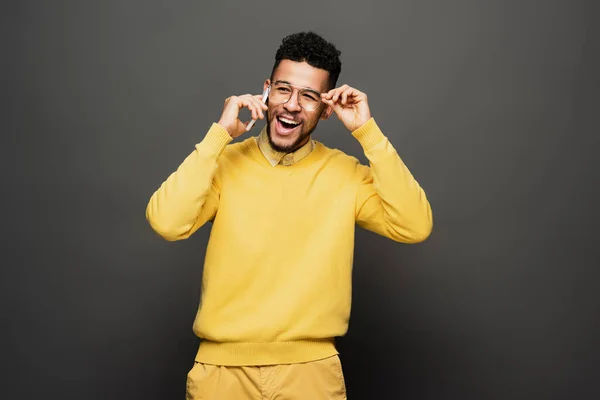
{"x": 336, "y": 106}
{"x": 232, "y": 108}
{"x": 258, "y": 107}
{"x": 250, "y": 106}
{"x": 257, "y": 104}
{"x": 328, "y": 95}
{"x": 344, "y": 97}
{"x": 350, "y": 92}
{"x": 336, "y": 95}
{"x": 246, "y": 102}
{"x": 262, "y": 104}
{"x": 339, "y": 91}
{"x": 331, "y": 94}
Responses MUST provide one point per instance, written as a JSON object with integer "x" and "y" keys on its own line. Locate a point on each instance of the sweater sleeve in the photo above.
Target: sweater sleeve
{"x": 389, "y": 201}
{"x": 189, "y": 197}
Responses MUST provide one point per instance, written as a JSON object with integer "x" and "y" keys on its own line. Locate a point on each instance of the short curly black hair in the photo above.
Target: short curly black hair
{"x": 313, "y": 49}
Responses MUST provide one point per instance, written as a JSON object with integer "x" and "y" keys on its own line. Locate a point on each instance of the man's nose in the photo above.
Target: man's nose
{"x": 293, "y": 105}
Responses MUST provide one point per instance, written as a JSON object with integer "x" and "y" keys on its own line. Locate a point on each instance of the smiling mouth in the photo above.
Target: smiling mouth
{"x": 285, "y": 126}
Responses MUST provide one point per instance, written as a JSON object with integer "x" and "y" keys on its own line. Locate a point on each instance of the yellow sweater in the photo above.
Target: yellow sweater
{"x": 277, "y": 279}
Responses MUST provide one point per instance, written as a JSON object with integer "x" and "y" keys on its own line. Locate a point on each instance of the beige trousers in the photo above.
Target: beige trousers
{"x": 314, "y": 380}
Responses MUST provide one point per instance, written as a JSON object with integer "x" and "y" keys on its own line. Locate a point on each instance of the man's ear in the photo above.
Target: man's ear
{"x": 326, "y": 113}
{"x": 266, "y": 85}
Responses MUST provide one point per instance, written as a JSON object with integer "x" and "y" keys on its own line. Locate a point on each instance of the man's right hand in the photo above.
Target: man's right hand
{"x": 230, "y": 118}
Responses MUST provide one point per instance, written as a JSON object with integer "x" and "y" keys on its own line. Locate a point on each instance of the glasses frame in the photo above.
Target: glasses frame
{"x": 299, "y": 89}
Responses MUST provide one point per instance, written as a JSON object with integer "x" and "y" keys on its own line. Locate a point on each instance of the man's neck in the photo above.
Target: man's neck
{"x": 276, "y": 157}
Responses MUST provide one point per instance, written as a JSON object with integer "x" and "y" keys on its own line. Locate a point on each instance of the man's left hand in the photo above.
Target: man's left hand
{"x": 350, "y": 105}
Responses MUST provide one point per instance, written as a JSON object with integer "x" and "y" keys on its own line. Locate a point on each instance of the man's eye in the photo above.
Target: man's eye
{"x": 283, "y": 90}
{"x": 310, "y": 97}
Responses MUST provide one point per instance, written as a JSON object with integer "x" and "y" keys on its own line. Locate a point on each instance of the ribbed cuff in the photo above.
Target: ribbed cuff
{"x": 369, "y": 134}
{"x": 272, "y": 353}
{"x": 216, "y": 139}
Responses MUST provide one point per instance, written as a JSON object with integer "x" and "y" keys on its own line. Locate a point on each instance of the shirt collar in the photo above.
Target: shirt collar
{"x": 276, "y": 157}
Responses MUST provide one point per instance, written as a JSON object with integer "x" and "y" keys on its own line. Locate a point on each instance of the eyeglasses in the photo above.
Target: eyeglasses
{"x": 281, "y": 93}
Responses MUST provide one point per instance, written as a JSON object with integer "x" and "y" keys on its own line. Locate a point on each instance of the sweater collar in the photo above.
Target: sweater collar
{"x": 276, "y": 157}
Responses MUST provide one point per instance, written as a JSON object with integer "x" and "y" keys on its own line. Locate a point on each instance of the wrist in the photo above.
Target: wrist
{"x": 362, "y": 120}
{"x": 226, "y": 127}
{"x": 368, "y": 134}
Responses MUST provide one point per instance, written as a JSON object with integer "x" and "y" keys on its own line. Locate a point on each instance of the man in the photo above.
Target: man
{"x": 276, "y": 287}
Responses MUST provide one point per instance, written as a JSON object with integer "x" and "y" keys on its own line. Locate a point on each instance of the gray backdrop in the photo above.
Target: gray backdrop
{"x": 492, "y": 104}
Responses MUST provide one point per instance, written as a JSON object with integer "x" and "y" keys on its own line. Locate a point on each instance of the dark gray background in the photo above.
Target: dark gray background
{"x": 492, "y": 104}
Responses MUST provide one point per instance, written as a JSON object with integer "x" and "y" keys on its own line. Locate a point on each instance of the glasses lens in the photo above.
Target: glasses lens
{"x": 309, "y": 100}
{"x": 282, "y": 92}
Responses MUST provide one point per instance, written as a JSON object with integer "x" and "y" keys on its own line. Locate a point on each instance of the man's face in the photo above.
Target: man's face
{"x": 286, "y": 137}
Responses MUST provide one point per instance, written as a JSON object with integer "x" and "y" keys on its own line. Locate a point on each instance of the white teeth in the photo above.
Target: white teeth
{"x": 287, "y": 121}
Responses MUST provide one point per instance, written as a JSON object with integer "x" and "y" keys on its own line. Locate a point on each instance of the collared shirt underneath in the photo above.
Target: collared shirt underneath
{"x": 276, "y": 157}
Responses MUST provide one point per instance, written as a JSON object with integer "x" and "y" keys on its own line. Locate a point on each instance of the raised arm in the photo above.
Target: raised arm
{"x": 389, "y": 200}
{"x": 190, "y": 195}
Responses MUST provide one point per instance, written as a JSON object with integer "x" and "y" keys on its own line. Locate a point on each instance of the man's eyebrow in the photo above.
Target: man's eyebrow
{"x": 303, "y": 87}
